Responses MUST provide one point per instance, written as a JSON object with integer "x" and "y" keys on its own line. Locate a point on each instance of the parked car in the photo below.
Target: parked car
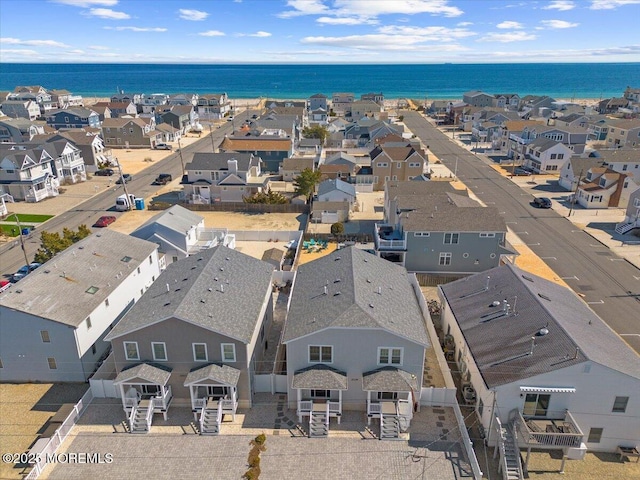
{"x": 24, "y": 271}
{"x": 163, "y": 179}
{"x": 105, "y": 172}
{"x": 521, "y": 172}
{"x": 126, "y": 177}
{"x": 541, "y": 202}
{"x": 163, "y": 146}
{"x": 105, "y": 221}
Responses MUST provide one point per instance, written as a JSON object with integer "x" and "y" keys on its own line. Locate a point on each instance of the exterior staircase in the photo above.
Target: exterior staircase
{"x": 140, "y": 419}
{"x": 210, "y": 420}
{"x": 625, "y": 227}
{"x": 389, "y": 427}
{"x": 512, "y": 469}
{"x": 318, "y": 425}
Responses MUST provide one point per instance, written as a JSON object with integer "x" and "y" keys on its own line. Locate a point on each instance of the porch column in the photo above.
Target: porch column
{"x": 564, "y": 459}
{"x": 233, "y": 403}
{"x": 339, "y": 405}
{"x": 526, "y": 461}
{"x": 299, "y": 414}
{"x": 122, "y": 396}
{"x": 191, "y": 393}
{"x": 164, "y": 406}
{"x": 368, "y": 406}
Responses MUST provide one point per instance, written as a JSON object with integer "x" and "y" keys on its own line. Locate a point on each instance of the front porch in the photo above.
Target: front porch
{"x": 319, "y": 393}
{"x": 391, "y": 398}
{"x": 144, "y": 391}
{"x": 213, "y": 391}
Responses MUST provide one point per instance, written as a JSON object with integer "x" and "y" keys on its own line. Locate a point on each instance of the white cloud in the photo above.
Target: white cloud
{"x": 428, "y": 34}
{"x": 97, "y": 47}
{"x": 137, "y": 29}
{"x": 11, "y": 51}
{"x": 75, "y": 52}
{"x": 510, "y": 25}
{"x": 558, "y": 24}
{"x": 379, "y": 42}
{"x": 260, "y": 34}
{"x": 611, "y": 4}
{"x": 107, "y": 13}
{"x": 193, "y": 15}
{"x": 33, "y": 43}
{"x": 212, "y": 33}
{"x": 346, "y": 21}
{"x": 464, "y": 24}
{"x": 508, "y": 37}
{"x": 561, "y": 5}
{"x": 367, "y": 9}
{"x": 87, "y": 3}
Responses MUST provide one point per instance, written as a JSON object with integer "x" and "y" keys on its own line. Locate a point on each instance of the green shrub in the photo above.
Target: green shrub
{"x": 337, "y": 228}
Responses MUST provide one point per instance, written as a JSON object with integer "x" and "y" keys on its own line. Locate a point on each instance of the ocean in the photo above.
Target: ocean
{"x": 583, "y": 80}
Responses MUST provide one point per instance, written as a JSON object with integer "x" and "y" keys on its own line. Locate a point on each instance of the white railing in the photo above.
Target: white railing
{"x": 334, "y": 408}
{"x": 132, "y": 416}
{"x": 60, "y": 435}
{"x": 162, "y": 401}
{"x": 374, "y": 408}
{"x": 392, "y": 244}
{"x": 149, "y": 416}
{"x": 130, "y": 402}
{"x": 220, "y": 413}
{"x": 467, "y": 444}
{"x": 550, "y": 439}
{"x": 202, "y": 414}
{"x": 198, "y": 403}
{"x": 305, "y": 406}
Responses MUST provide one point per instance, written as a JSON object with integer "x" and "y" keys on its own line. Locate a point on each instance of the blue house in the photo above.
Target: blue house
{"x": 73, "y": 118}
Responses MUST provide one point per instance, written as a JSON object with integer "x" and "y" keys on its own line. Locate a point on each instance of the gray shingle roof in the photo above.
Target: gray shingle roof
{"x": 501, "y": 344}
{"x": 353, "y": 278}
{"x": 219, "y": 289}
{"x": 389, "y": 379}
{"x": 542, "y": 144}
{"x": 94, "y": 261}
{"x": 218, "y": 161}
{"x": 223, "y": 374}
{"x": 336, "y": 184}
{"x": 322, "y": 377}
{"x": 176, "y": 218}
{"x": 146, "y": 372}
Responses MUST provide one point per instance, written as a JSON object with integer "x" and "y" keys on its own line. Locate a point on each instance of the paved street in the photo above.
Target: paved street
{"x": 609, "y": 284}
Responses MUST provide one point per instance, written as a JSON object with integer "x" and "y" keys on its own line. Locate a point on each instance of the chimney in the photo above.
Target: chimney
{"x": 233, "y": 165}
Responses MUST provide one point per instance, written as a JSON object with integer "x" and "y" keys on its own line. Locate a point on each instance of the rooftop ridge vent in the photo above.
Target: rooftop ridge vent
{"x": 543, "y": 296}
{"x": 337, "y": 293}
{"x": 529, "y": 279}
{"x": 337, "y": 280}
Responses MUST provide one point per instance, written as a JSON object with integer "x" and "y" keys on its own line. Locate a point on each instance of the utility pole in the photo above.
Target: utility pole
{"x": 124, "y": 184}
{"x": 181, "y": 159}
{"x": 24, "y": 252}
{"x": 213, "y": 148}
{"x": 575, "y": 194}
{"x": 455, "y": 170}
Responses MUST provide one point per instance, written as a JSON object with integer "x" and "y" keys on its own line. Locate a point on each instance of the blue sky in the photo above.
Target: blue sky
{"x": 319, "y": 31}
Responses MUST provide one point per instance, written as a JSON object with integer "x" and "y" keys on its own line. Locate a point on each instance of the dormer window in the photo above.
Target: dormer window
{"x": 603, "y": 182}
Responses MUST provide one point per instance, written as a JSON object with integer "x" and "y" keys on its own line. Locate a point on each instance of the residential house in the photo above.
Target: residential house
{"x": 355, "y": 340}
{"x": 21, "y": 109}
{"x": 546, "y": 156}
{"x": 574, "y": 120}
{"x": 477, "y": 98}
{"x": 214, "y": 107}
{"x": 194, "y": 339}
{"x": 273, "y": 124}
{"x": 318, "y": 115}
{"x": 169, "y": 133}
{"x": 222, "y": 177}
{"x": 396, "y": 164}
{"x": 516, "y": 135}
{"x": 53, "y": 325}
{"x": 73, "y": 118}
{"x": 622, "y": 160}
{"x": 271, "y": 149}
{"x": 598, "y": 128}
{"x": 535, "y": 105}
{"x": 27, "y": 174}
{"x": 318, "y": 101}
{"x": 624, "y": 133}
{"x": 330, "y": 212}
{"x": 510, "y": 101}
{"x": 130, "y": 133}
{"x": 184, "y": 99}
{"x": 575, "y": 169}
{"x": 632, "y": 215}
{"x": 136, "y": 98}
{"x": 37, "y": 94}
{"x": 150, "y": 102}
{"x": 339, "y": 165}
{"x": 68, "y": 164}
{"x": 603, "y": 188}
{"x": 341, "y": 103}
{"x": 336, "y": 191}
{"x": 62, "y": 98}
{"x": 102, "y": 111}
{"x": 632, "y": 94}
{"x": 179, "y": 233}
{"x": 373, "y": 97}
{"x": 181, "y": 117}
{"x": 18, "y": 130}
{"x": 541, "y": 362}
{"x": 430, "y": 227}
{"x": 91, "y": 146}
{"x": 294, "y": 108}
{"x": 365, "y": 108}
{"x": 118, "y": 109}
{"x": 612, "y": 105}
{"x": 292, "y": 167}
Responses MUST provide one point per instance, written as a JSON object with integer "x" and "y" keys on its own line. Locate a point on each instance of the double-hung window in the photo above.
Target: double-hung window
{"x": 159, "y": 351}
{"x": 390, "y": 356}
{"x": 228, "y": 352}
{"x": 620, "y": 405}
{"x": 445, "y": 258}
{"x": 200, "y": 352}
{"x": 451, "y": 238}
{"x": 131, "y": 351}
{"x": 320, "y": 354}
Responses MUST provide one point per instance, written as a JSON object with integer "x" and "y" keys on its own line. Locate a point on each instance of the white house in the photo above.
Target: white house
{"x": 53, "y": 322}
{"x": 603, "y": 188}
{"x": 545, "y": 155}
{"x": 575, "y": 169}
{"x": 542, "y": 362}
{"x": 336, "y": 191}
{"x": 632, "y": 214}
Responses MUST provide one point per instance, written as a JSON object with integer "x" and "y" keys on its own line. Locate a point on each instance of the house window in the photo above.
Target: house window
{"x": 421, "y": 234}
{"x": 595, "y": 434}
{"x": 88, "y": 323}
{"x": 536, "y": 405}
{"x": 262, "y": 333}
{"x": 1, "y": 364}
{"x": 451, "y": 238}
{"x": 150, "y": 260}
{"x": 52, "y": 363}
{"x": 44, "y": 334}
{"x": 216, "y": 392}
{"x": 200, "y": 352}
{"x": 131, "y": 351}
{"x": 320, "y": 393}
{"x": 620, "y": 405}
{"x": 387, "y": 395}
{"x": 159, "y": 350}
{"x": 228, "y": 352}
{"x": 390, "y": 356}
{"x": 480, "y": 407}
{"x": 487, "y": 235}
{"x": 445, "y": 259}
{"x": 398, "y": 165}
{"x": 320, "y": 354}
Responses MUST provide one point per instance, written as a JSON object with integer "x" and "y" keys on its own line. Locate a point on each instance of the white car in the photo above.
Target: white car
{"x": 163, "y": 146}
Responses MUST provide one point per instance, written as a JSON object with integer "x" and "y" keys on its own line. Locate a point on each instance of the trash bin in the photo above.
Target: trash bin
{"x": 139, "y": 203}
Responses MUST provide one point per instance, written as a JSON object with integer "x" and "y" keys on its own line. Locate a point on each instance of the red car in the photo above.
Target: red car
{"x": 105, "y": 221}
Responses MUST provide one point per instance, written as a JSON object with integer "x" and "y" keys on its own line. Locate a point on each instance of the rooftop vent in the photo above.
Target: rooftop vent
{"x": 496, "y": 303}
{"x": 325, "y": 290}
{"x": 542, "y": 332}
{"x": 222, "y": 288}
{"x": 541, "y": 295}
{"x": 371, "y": 305}
{"x": 336, "y": 294}
{"x": 210, "y": 289}
{"x": 336, "y": 259}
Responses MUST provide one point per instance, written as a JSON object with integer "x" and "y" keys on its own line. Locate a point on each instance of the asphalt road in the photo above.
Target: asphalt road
{"x": 12, "y": 258}
{"x": 608, "y": 283}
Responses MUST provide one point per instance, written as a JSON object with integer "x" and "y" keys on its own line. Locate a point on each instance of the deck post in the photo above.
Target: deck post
{"x": 368, "y": 406}
{"x": 526, "y": 462}
{"x": 564, "y": 459}
{"x": 164, "y": 407}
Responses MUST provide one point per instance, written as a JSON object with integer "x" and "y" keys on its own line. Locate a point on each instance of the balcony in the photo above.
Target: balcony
{"x": 549, "y": 433}
{"x": 388, "y": 238}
